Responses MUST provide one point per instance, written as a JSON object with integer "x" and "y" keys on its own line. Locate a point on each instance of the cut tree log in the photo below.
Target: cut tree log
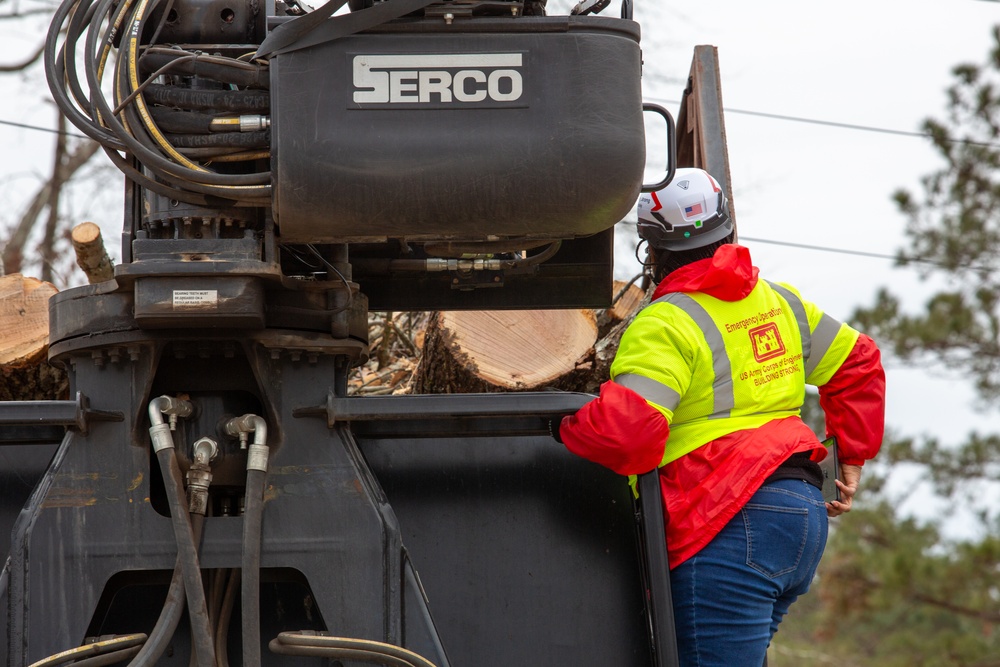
{"x": 508, "y": 350}
{"x": 627, "y": 300}
{"x": 91, "y": 255}
{"x": 25, "y": 374}
{"x": 490, "y": 351}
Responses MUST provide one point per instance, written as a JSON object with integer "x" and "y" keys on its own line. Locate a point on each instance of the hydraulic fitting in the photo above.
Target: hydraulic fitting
{"x": 199, "y": 475}
{"x": 159, "y": 431}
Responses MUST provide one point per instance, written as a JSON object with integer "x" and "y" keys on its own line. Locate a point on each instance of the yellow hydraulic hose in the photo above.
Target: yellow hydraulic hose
{"x": 87, "y": 650}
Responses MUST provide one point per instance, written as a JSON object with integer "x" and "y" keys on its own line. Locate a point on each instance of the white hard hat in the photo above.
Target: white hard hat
{"x": 690, "y": 212}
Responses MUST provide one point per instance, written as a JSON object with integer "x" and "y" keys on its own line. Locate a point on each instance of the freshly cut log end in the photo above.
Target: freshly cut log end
{"x": 91, "y": 255}
{"x": 489, "y": 351}
{"x": 25, "y": 374}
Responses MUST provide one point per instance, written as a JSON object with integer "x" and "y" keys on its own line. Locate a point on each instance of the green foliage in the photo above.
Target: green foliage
{"x": 892, "y": 590}
{"x": 954, "y": 232}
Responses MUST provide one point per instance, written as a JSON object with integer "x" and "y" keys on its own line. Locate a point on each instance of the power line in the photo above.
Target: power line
{"x": 862, "y": 253}
{"x": 39, "y": 128}
{"x": 847, "y": 126}
{"x": 745, "y": 112}
{"x": 843, "y": 251}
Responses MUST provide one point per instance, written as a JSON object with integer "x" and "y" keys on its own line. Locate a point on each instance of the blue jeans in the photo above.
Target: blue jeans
{"x": 730, "y": 597}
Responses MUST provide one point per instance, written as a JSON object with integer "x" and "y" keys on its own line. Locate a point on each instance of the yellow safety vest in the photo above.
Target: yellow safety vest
{"x": 713, "y": 367}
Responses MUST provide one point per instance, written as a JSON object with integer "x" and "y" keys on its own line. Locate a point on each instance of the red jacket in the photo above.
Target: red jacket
{"x": 705, "y": 488}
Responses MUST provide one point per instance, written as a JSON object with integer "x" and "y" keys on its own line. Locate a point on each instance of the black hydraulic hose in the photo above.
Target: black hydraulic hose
{"x": 97, "y": 25}
{"x": 227, "y": 101}
{"x": 252, "y": 520}
{"x": 248, "y": 75}
{"x": 190, "y": 122}
{"x": 253, "y": 513}
{"x": 151, "y": 158}
{"x": 244, "y": 140}
{"x": 56, "y": 75}
{"x": 77, "y": 22}
{"x": 147, "y": 153}
{"x": 173, "y": 193}
{"x": 187, "y": 554}
{"x": 173, "y": 609}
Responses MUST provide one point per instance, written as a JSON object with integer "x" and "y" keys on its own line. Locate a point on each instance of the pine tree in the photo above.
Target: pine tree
{"x": 892, "y": 590}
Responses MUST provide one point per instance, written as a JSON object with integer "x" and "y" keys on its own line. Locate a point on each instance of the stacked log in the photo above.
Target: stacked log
{"x": 490, "y": 351}
{"x": 507, "y": 350}
{"x": 25, "y": 374}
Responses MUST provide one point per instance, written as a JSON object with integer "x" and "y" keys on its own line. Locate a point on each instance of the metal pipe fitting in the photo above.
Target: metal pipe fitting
{"x": 160, "y": 431}
{"x": 248, "y": 423}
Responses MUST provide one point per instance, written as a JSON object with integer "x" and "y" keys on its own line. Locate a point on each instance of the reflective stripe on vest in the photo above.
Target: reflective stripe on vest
{"x": 650, "y": 389}
{"x": 723, "y": 399}
{"x": 795, "y": 303}
{"x": 815, "y": 344}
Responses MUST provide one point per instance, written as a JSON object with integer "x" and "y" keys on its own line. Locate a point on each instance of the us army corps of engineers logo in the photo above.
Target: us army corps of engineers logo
{"x": 766, "y": 342}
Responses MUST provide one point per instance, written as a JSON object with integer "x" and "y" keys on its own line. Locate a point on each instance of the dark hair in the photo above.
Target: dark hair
{"x": 663, "y": 262}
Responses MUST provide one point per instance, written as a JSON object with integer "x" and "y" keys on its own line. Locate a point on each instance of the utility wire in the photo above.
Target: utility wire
{"x": 846, "y": 126}
{"x": 843, "y": 251}
{"x": 861, "y": 253}
{"x": 745, "y": 112}
{"x": 39, "y": 128}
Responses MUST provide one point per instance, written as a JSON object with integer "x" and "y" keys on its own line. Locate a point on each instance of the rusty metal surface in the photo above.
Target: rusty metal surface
{"x": 701, "y": 125}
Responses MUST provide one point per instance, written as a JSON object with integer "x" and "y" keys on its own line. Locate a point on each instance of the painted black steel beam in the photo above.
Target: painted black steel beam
{"x": 435, "y": 415}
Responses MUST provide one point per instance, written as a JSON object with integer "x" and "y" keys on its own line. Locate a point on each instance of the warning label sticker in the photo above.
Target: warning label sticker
{"x": 202, "y": 298}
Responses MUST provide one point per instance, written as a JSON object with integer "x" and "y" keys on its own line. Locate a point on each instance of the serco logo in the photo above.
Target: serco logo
{"x": 438, "y": 79}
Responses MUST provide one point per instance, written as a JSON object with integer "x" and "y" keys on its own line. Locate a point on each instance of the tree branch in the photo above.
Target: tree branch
{"x": 17, "y": 67}
{"x": 981, "y": 614}
{"x": 13, "y": 250}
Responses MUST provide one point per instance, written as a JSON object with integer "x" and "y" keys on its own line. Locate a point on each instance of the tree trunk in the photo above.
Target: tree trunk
{"x": 510, "y": 350}
{"x": 25, "y": 374}
{"x": 490, "y": 351}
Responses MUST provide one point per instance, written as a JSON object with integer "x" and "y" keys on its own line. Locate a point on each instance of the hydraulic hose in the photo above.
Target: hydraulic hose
{"x": 96, "y": 28}
{"x": 159, "y": 637}
{"x": 187, "y": 552}
{"x": 98, "y": 648}
{"x": 244, "y": 140}
{"x": 252, "y": 519}
{"x": 240, "y": 74}
{"x": 225, "y": 614}
{"x": 112, "y": 658}
{"x": 227, "y": 101}
{"x": 251, "y": 567}
{"x": 173, "y": 609}
{"x": 364, "y": 650}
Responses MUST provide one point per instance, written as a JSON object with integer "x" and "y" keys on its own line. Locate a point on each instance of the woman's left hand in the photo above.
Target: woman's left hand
{"x": 851, "y": 475}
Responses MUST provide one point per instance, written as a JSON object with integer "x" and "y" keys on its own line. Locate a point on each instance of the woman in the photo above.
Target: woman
{"x": 707, "y": 385}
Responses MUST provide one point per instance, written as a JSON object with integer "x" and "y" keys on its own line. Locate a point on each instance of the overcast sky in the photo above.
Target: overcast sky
{"x": 880, "y": 64}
